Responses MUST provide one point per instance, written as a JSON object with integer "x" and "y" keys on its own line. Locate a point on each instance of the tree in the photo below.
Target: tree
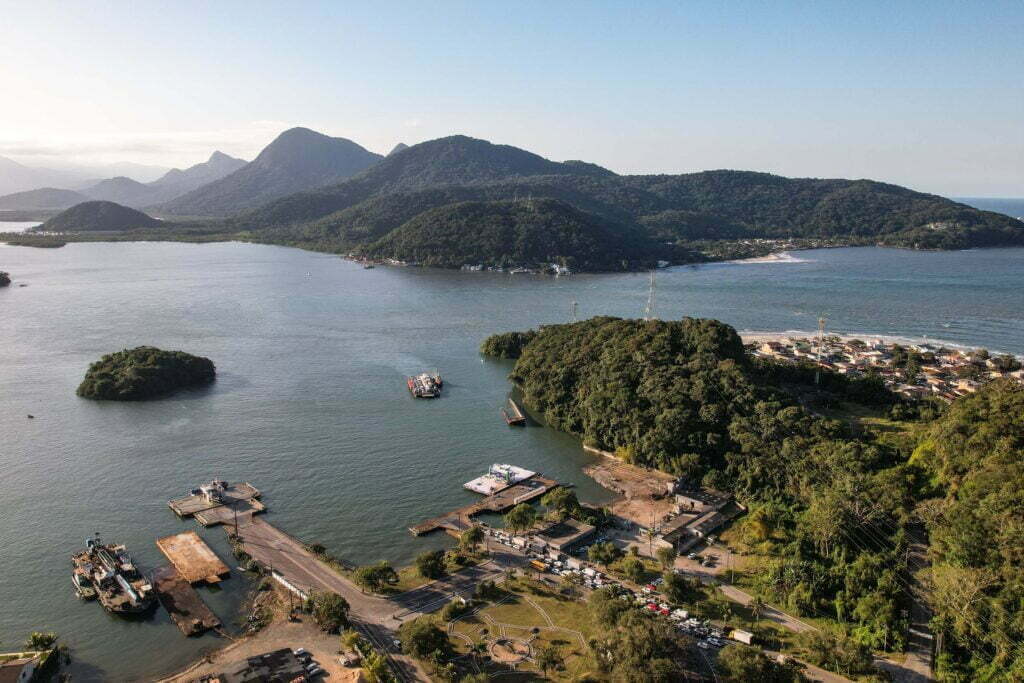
{"x": 330, "y": 611}
{"x": 349, "y": 639}
{"x": 40, "y": 640}
{"x": 375, "y": 576}
{"x": 430, "y": 564}
{"x": 375, "y": 666}
{"x": 677, "y": 588}
{"x": 634, "y": 569}
{"x": 520, "y": 517}
{"x": 471, "y": 538}
{"x": 603, "y": 553}
{"x": 741, "y": 663}
{"x": 605, "y": 605}
{"x": 639, "y": 649}
{"x": 666, "y": 556}
{"x": 548, "y": 658}
{"x": 475, "y": 678}
{"x": 421, "y": 639}
{"x": 562, "y": 501}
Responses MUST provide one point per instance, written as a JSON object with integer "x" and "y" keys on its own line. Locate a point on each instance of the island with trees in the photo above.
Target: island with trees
{"x": 143, "y": 373}
{"x": 5, "y": 279}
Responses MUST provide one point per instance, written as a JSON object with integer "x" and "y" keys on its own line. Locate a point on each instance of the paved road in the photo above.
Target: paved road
{"x": 920, "y": 646}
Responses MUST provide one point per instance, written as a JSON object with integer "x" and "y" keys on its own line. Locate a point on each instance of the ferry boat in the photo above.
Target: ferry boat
{"x": 107, "y": 572}
{"x": 425, "y": 385}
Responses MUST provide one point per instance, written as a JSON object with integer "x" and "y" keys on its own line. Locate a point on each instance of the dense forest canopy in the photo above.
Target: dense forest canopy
{"x": 974, "y": 456}
{"x": 832, "y": 513}
{"x": 144, "y": 372}
{"x": 508, "y": 233}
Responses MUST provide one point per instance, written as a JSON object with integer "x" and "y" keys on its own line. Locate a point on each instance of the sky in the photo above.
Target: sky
{"x": 924, "y": 94}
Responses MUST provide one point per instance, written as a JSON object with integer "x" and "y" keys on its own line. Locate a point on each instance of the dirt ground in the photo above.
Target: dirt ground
{"x": 642, "y": 511}
{"x": 278, "y": 634}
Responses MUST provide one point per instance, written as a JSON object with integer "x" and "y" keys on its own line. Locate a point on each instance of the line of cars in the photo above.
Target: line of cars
{"x": 312, "y": 668}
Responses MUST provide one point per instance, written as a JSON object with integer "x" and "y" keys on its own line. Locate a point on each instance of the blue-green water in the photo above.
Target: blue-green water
{"x": 310, "y": 403}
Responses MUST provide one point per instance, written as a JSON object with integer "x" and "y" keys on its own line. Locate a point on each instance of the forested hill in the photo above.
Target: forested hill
{"x": 506, "y": 233}
{"x": 974, "y": 456}
{"x": 98, "y": 216}
{"x": 682, "y": 209}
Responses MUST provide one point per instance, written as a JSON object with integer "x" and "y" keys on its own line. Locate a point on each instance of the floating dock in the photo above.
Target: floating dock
{"x": 513, "y": 414}
{"x": 218, "y": 502}
{"x": 460, "y": 519}
{"x": 183, "y": 603}
{"x": 498, "y": 477}
{"x": 193, "y": 559}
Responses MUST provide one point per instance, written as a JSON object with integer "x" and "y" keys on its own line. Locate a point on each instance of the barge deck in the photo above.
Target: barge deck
{"x": 194, "y": 561}
{"x": 183, "y": 603}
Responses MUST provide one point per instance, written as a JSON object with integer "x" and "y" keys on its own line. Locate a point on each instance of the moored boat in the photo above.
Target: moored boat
{"x": 107, "y": 572}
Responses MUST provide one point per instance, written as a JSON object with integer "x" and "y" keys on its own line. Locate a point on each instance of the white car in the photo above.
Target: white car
{"x": 703, "y": 645}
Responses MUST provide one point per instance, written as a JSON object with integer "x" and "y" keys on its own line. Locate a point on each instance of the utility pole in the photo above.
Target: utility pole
{"x": 572, "y": 310}
{"x": 821, "y": 343}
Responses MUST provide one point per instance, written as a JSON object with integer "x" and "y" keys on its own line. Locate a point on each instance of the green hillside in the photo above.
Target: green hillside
{"x": 506, "y": 233}
{"x": 98, "y": 216}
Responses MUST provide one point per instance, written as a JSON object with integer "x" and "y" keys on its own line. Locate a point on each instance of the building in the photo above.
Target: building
{"x": 20, "y": 667}
{"x": 565, "y": 536}
{"x": 279, "y": 666}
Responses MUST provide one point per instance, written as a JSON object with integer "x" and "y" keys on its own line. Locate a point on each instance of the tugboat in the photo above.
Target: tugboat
{"x": 107, "y": 572}
{"x": 425, "y": 385}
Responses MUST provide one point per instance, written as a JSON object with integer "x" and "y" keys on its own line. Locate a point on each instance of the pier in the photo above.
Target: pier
{"x": 460, "y": 519}
{"x": 183, "y": 603}
{"x": 218, "y": 502}
{"x": 194, "y": 561}
{"x": 513, "y": 414}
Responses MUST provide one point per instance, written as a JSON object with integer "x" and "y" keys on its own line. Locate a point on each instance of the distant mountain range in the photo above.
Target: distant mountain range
{"x": 299, "y": 159}
{"x": 126, "y": 191}
{"x": 461, "y": 200}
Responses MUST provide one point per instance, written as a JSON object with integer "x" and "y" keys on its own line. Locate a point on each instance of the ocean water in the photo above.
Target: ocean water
{"x": 310, "y": 403}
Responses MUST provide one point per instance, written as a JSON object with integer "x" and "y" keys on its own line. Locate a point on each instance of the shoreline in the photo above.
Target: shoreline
{"x": 760, "y": 336}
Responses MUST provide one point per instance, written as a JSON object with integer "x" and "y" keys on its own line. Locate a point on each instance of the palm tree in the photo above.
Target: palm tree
{"x": 756, "y": 608}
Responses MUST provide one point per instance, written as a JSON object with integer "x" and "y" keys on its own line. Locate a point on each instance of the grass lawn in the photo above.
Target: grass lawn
{"x": 516, "y": 618}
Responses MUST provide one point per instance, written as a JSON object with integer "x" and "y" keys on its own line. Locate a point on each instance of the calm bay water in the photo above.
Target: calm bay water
{"x": 310, "y": 403}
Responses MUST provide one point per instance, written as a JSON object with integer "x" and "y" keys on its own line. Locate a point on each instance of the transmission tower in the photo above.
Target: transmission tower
{"x": 649, "y": 309}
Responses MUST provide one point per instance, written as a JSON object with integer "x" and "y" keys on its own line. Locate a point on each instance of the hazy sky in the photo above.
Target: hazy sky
{"x": 926, "y": 94}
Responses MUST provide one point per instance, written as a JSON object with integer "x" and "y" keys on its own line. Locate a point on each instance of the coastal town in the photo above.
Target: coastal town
{"x": 916, "y": 370}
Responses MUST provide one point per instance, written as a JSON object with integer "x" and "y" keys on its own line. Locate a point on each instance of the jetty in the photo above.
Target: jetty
{"x": 513, "y": 414}
{"x": 460, "y": 519}
{"x": 218, "y": 502}
{"x": 192, "y": 558}
{"x": 183, "y": 603}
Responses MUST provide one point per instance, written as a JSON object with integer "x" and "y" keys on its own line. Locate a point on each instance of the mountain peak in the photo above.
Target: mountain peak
{"x": 296, "y": 160}
{"x": 398, "y": 148}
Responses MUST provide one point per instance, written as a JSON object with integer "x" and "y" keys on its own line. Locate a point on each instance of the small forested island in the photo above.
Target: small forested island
{"x": 5, "y": 279}
{"x": 841, "y": 479}
{"x": 144, "y": 372}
